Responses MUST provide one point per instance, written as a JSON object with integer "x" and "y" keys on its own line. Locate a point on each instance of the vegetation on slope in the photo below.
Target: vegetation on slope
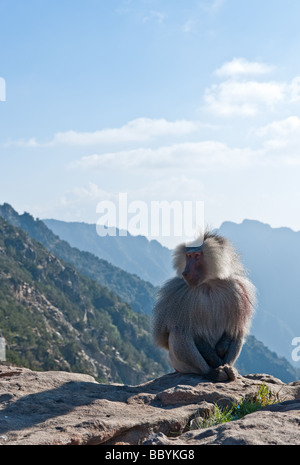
{"x": 55, "y": 318}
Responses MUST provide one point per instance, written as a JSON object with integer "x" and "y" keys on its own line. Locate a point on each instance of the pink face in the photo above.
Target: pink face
{"x": 194, "y": 268}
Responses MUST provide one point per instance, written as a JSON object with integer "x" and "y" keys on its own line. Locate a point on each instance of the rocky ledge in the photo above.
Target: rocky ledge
{"x": 47, "y": 408}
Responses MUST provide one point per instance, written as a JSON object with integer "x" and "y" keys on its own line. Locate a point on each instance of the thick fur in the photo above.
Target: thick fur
{"x": 203, "y": 327}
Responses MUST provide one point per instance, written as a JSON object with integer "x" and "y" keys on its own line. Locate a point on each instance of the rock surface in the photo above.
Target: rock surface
{"x": 42, "y": 408}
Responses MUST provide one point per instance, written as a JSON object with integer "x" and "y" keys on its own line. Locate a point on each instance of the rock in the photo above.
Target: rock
{"x": 42, "y": 408}
{"x": 278, "y": 424}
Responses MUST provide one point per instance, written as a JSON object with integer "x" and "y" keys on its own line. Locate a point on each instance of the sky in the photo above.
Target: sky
{"x": 188, "y": 101}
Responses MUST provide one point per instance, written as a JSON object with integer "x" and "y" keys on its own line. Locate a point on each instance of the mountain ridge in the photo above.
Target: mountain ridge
{"x": 132, "y": 289}
{"x": 54, "y": 318}
{"x": 125, "y": 251}
{"x": 254, "y": 353}
{"x": 272, "y": 257}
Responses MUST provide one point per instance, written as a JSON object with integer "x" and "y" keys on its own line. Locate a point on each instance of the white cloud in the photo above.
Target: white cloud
{"x": 217, "y": 4}
{"x": 203, "y": 155}
{"x": 281, "y": 143}
{"x": 138, "y": 130}
{"x": 32, "y": 142}
{"x": 179, "y": 186}
{"x": 295, "y": 90}
{"x": 189, "y": 26}
{"x": 157, "y": 16}
{"x": 90, "y": 193}
{"x": 142, "y": 129}
{"x": 76, "y": 203}
{"x": 239, "y": 95}
{"x": 285, "y": 127}
{"x": 242, "y": 67}
{"x": 212, "y": 6}
{"x": 244, "y": 98}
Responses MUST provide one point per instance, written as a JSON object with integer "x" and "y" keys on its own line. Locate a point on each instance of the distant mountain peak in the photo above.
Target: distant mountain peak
{"x": 9, "y": 210}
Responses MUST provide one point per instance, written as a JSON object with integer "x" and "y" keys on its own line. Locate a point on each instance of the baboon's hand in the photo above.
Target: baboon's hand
{"x": 222, "y": 373}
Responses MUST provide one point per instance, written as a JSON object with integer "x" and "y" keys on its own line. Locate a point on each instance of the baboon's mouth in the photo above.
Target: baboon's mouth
{"x": 191, "y": 282}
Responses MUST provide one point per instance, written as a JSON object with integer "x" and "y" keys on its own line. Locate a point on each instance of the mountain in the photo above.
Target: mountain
{"x": 135, "y": 254}
{"x": 272, "y": 256}
{"x": 255, "y": 356}
{"x": 138, "y": 293}
{"x": 54, "y": 318}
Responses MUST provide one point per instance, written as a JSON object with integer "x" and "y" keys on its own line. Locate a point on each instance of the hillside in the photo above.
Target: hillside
{"x": 272, "y": 256}
{"x": 255, "y": 356}
{"x": 130, "y": 288}
{"x": 54, "y": 318}
{"x": 127, "y": 252}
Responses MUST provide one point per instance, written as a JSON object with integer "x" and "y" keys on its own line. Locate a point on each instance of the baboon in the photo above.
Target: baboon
{"x": 202, "y": 315}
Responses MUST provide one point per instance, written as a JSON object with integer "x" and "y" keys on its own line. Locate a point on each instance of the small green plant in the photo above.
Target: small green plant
{"x": 216, "y": 416}
{"x": 249, "y": 404}
{"x": 255, "y": 401}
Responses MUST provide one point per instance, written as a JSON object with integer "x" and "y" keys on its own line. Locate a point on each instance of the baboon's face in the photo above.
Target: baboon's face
{"x": 194, "y": 272}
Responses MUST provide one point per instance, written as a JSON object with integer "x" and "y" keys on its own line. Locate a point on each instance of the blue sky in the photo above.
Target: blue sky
{"x": 195, "y": 100}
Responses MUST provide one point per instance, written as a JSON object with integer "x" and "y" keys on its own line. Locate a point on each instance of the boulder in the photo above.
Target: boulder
{"x": 52, "y": 408}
